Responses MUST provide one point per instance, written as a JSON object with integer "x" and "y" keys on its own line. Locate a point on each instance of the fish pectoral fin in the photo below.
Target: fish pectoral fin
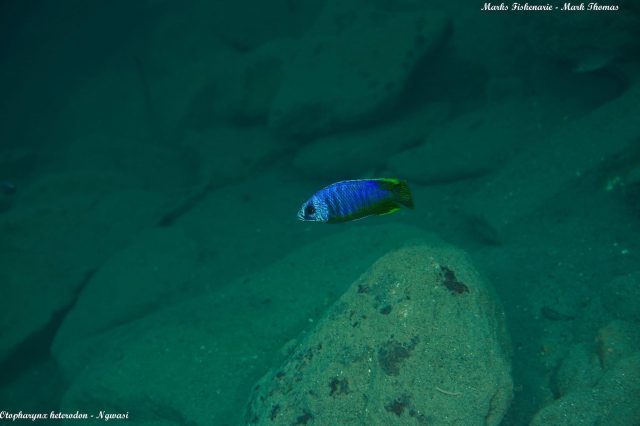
{"x": 393, "y": 210}
{"x": 386, "y": 207}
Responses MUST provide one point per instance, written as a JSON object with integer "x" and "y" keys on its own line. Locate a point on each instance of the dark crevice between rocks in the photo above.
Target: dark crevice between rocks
{"x": 35, "y": 349}
{"x": 185, "y": 206}
{"x": 582, "y": 92}
{"x": 481, "y": 231}
{"x": 417, "y": 90}
{"x": 442, "y": 76}
{"x": 277, "y": 158}
{"x": 438, "y": 76}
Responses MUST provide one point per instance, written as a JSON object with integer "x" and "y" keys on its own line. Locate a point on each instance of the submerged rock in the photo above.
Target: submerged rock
{"x": 195, "y": 360}
{"x": 606, "y": 37}
{"x": 418, "y": 338}
{"x": 469, "y": 146}
{"x": 352, "y": 64}
{"x": 580, "y": 369}
{"x": 615, "y": 341}
{"x": 156, "y": 270}
{"x": 600, "y": 386}
{"x": 353, "y": 153}
{"x": 613, "y": 401}
{"x": 58, "y": 231}
{"x": 620, "y": 297}
{"x": 527, "y": 185}
{"x": 221, "y": 161}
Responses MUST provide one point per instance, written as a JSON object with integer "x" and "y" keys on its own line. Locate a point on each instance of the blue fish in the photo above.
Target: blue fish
{"x": 354, "y": 199}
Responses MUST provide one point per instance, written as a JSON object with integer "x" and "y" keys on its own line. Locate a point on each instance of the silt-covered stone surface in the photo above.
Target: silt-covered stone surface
{"x": 417, "y": 339}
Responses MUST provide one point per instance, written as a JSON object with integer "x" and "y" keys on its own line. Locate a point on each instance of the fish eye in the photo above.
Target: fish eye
{"x": 309, "y": 210}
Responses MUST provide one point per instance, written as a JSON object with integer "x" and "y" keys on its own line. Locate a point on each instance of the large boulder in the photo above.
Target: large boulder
{"x": 353, "y": 63}
{"x": 350, "y": 154}
{"x": 564, "y": 160}
{"x": 600, "y": 386}
{"x": 229, "y": 154}
{"x": 155, "y": 270}
{"x": 196, "y": 358}
{"x": 580, "y": 369}
{"x": 613, "y": 401}
{"x": 59, "y": 230}
{"x": 418, "y": 338}
{"x": 607, "y": 36}
{"x": 469, "y": 146}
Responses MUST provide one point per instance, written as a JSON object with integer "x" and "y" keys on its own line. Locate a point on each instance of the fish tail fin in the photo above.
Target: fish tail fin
{"x": 400, "y": 189}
